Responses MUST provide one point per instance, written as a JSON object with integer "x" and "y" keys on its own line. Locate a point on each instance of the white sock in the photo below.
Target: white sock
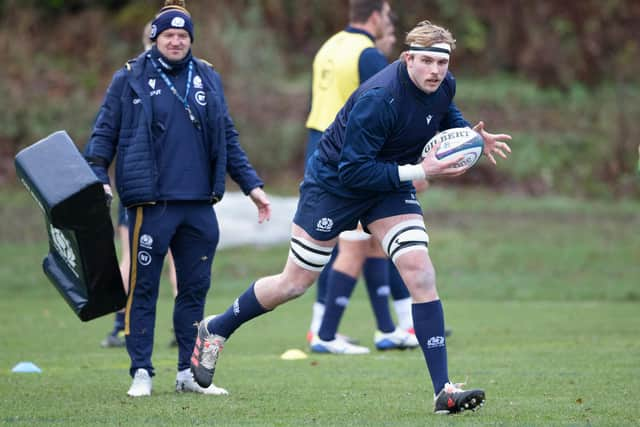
{"x": 403, "y": 312}
{"x": 316, "y": 317}
{"x": 184, "y": 375}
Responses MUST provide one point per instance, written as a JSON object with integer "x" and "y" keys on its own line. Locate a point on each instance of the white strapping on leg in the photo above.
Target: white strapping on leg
{"x": 410, "y": 235}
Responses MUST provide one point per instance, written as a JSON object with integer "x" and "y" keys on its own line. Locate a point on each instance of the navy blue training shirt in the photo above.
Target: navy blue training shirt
{"x": 184, "y": 167}
{"x": 385, "y": 123}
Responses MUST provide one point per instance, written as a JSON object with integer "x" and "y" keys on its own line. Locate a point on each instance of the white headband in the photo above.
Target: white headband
{"x": 442, "y": 50}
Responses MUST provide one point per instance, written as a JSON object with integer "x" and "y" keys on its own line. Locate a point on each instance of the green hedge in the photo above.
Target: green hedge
{"x": 574, "y": 139}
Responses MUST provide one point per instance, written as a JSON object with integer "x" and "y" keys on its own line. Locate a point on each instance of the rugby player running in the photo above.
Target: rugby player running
{"x": 362, "y": 171}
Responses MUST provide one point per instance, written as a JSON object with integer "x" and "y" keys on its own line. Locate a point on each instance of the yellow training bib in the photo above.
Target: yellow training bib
{"x": 335, "y": 76}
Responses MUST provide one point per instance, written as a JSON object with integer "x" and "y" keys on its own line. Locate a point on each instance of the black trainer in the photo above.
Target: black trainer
{"x": 452, "y": 399}
{"x": 205, "y": 354}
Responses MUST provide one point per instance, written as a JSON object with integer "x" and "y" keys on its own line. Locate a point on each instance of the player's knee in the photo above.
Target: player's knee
{"x": 418, "y": 275}
{"x": 405, "y": 237}
{"x": 288, "y": 285}
{"x": 375, "y": 250}
{"x": 296, "y": 290}
{"x": 295, "y": 286}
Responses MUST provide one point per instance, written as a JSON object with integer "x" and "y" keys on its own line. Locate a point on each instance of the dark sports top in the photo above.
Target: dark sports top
{"x": 385, "y": 123}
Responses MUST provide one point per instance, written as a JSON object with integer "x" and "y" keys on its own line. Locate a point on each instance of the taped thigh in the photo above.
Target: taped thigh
{"x": 309, "y": 255}
{"x": 404, "y": 237}
{"x": 355, "y": 235}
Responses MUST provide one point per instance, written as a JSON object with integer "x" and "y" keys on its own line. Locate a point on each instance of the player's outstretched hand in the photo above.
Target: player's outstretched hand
{"x": 493, "y": 143}
{"x": 260, "y": 199}
{"x": 434, "y": 167}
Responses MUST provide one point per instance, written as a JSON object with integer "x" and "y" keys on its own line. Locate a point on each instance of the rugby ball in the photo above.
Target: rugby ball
{"x": 457, "y": 142}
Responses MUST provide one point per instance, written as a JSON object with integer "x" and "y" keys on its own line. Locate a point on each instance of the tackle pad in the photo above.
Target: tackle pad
{"x": 82, "y": 262}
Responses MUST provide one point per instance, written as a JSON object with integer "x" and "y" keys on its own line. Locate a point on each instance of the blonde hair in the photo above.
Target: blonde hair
{"x": 427, "y": 34}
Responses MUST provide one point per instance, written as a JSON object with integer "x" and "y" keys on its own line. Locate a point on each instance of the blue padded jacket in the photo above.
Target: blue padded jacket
{"x": 123, "y": 130}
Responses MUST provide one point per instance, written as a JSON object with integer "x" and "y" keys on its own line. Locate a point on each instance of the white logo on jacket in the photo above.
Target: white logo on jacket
{"x": 144, "y": 258}
{"x": 146, "y": 241}
{"x": 152, "y": 83}
{"x": 197, "y": 82}
{"x": 200, "y": 98}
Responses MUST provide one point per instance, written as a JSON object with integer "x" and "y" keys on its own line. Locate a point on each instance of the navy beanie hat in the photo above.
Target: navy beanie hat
{"x": 172, "y": 15}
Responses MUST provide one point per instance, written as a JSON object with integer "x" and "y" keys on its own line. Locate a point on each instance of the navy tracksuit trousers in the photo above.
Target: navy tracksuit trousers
{"x": 190, "y": 229}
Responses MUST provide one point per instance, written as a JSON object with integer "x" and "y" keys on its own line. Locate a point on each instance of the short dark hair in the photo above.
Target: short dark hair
{"x": 393, "y": 18}
{"x": 361, "y": 10}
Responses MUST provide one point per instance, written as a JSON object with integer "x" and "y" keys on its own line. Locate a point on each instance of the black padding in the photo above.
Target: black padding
{"x": 82, "y": 262}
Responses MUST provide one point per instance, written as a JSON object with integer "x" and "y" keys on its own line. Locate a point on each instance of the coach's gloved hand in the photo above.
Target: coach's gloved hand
{"x": 108, "y": 194}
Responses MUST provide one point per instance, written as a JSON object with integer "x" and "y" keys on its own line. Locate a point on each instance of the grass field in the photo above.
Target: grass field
{"x": 543, "y": 296}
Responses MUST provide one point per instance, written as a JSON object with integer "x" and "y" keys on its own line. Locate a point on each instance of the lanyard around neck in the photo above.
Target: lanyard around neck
{"x": 172, "y": 88}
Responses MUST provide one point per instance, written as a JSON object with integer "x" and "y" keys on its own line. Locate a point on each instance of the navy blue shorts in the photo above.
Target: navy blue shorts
{"x": 324, "y": 215}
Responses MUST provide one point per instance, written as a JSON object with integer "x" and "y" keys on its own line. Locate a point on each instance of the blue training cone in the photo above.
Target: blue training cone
{"x": 26, "y": 367}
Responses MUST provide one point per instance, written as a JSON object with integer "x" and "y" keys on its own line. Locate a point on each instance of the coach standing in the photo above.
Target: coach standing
{"x": 166, "y": 119}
